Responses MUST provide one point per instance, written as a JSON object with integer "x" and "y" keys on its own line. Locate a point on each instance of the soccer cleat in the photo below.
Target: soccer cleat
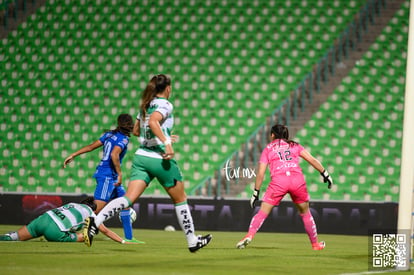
{"x": 244, "y": 242}
{"x": 202, "y": 242}
{"x": 318, "y": 246}
{"x": 89, "y": 231}
{"x": 133, "y": 240}
{"x": 5, "y": 237}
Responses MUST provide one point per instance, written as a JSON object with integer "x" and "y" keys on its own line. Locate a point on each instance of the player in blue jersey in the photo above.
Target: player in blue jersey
{"x": 154, "y": 159}
{"x": 108, "y": 173}
{"x": 61, "y": 224}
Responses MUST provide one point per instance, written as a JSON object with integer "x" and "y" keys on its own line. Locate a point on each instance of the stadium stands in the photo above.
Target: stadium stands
{"x": 366, "y": 112}
{"x": 72, "y": 67}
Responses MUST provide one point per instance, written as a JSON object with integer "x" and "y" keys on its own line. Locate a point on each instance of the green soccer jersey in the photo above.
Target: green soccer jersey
{"x": 71, "y": 216}
{"x": 151, "y": 145}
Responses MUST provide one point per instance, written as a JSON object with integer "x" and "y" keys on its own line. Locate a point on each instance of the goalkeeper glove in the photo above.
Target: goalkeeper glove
{"x": 327, "y": 178}
{"x": 254, "y": 198}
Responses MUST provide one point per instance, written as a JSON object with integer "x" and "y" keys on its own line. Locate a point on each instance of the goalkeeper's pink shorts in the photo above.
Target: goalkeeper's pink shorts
{"x": 293, "y": 184}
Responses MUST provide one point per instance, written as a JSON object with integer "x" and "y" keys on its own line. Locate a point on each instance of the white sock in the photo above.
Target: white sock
{"x": 186, "y": 222}
{"x": 111, "y": 209}
{"x": 14, "y": 236}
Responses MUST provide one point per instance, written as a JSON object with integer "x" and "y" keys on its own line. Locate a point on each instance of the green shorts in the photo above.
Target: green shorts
{"x": 45, "y": 226}
{"x": 147, "y": 168}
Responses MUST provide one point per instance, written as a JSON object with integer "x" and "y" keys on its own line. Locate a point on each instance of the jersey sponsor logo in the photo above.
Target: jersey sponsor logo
{"x": 58, "y": 214}
{"x": 187, "y": 224}
{"x": 287, "y": 165}
{"x": 152, "y": 108}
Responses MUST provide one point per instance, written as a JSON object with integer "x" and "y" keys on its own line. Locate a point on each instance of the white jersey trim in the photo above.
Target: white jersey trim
{"x": 150, "y": 154}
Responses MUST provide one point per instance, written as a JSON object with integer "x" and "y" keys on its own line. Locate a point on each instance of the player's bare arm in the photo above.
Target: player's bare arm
{"x": 154, "y": 124}
{"x": 94, "y": 145}
{"x": 117, "y": 163}
{"x": 136, "y": 129}
{"x": 318, "y": 166}
{"x": 312, "y": 161}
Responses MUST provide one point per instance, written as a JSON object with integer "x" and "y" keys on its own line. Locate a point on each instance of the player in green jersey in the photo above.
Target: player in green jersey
{"x": 61, "y": 224}
{"x": 154, "y": 159}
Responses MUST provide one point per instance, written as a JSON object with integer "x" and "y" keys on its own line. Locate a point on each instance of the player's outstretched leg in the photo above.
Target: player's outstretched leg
{"x": 202, "y": 241}
{"x": 254, "y": 226}
{"x": 89, "y": 231}
{"x": 310, "y": 228}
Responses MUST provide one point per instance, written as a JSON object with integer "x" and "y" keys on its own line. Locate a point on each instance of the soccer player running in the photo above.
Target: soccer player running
{"x": 154, "y": 158}
{"x": 108, "y": 173}
{"x": 61, "y": 224}
{"x": 282, "y": 156}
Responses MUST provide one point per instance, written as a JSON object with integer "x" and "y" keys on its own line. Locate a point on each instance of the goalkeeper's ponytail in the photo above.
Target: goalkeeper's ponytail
{"x": 280, "y": 131}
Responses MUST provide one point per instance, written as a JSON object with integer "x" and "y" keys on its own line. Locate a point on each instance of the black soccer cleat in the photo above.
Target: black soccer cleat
{"x": 202, "y": 242}
{"x": 89, "y": 231}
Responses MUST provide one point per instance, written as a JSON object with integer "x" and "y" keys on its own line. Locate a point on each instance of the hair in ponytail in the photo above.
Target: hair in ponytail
{"x": 282, "y": 132}
{"x": 157, "y": 84}
{"x": 125, "y": 125}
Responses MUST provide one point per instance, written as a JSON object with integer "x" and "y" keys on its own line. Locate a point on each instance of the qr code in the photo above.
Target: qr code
{"x": 389, "y": 250}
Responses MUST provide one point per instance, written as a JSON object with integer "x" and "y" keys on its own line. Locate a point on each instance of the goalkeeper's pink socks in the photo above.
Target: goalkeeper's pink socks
{"x": 308, "y": 222}
{"x": 310, "y": 226}
{"x": 256, "y": 223}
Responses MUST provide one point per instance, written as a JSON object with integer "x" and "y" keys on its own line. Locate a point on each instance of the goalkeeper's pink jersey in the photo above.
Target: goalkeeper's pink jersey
{"x": 282, "y": 158}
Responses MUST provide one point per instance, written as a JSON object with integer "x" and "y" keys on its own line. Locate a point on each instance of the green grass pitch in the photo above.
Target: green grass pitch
{"x": 167, "y": 253}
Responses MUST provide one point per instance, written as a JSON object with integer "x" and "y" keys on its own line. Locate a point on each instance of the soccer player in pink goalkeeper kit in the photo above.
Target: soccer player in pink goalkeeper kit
{"x": 282, "y": 157}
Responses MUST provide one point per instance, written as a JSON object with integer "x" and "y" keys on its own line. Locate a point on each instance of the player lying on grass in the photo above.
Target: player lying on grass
{"x": 61, "y": 224}
{"x": 282, "y": 157}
